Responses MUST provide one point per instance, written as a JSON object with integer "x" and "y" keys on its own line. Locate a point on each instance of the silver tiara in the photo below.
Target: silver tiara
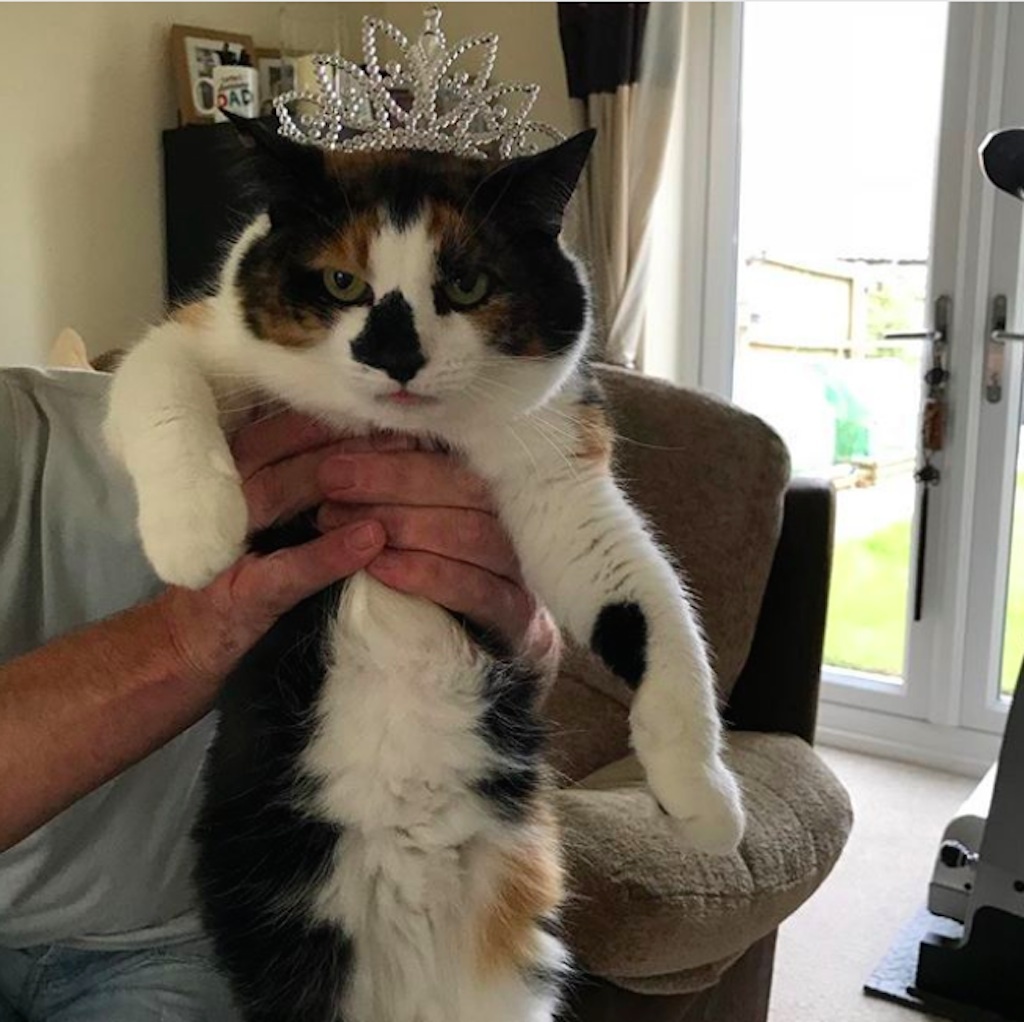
{"x": 423, "y": 101}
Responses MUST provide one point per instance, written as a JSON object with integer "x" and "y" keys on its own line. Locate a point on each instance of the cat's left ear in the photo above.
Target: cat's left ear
{"x": 535, "y": 190}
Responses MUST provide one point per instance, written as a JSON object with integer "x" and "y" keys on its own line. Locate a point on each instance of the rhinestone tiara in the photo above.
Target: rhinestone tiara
{"x": 431, "y": 99}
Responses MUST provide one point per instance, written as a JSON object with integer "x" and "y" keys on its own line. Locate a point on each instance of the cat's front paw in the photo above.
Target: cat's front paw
{"x": 705, "y": 805}
{"x": 191, "y": 534}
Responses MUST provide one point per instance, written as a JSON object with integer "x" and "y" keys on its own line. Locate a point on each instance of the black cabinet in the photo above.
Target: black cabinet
{"x": 209, "y": 197}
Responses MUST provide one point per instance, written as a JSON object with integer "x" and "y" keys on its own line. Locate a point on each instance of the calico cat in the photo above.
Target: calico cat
{"x": 377, "y": 842}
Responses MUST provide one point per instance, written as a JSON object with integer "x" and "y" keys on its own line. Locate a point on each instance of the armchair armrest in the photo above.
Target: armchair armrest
{"x": 653, "y": 916}
{"x": 777, "y": 689}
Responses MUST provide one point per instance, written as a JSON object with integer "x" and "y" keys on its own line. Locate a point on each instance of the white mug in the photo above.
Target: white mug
{"x": 234, "y": 88}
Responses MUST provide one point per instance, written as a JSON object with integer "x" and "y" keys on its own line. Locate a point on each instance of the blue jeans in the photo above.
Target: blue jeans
{"x": 175, "y": 983}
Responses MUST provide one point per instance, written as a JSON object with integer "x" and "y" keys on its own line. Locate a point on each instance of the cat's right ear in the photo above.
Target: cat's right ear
{"x": 290, "y": 176}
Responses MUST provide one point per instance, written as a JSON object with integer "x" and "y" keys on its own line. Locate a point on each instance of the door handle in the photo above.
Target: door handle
{"x": 919, "y": 335}
{"x": 995, "y": 350}
{"x": 937, "y": 335}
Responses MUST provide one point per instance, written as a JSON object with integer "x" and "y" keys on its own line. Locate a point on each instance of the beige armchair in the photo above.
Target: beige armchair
{"x": 661, "y": 933}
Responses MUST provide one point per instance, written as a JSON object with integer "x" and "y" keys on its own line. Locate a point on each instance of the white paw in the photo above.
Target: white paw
{"x": 705, "y": 804}
{"x": 192, "y": 533}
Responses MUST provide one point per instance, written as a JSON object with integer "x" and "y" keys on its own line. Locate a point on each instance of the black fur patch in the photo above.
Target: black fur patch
{"x": 389, "y": 340}
{"x": 405, "y": 199}
{"x": 301, "y": 529}
{"x": 512, "y": 727}
{"x": 511, "y": 791}
{"x": 488, "y": 639}
{"x": 548, "y": 301}
{"x": 258, "y": 854}
{"x": 544, "y": 980}
{"x": 511, "y": 723}
{"x": 620, "y": 640}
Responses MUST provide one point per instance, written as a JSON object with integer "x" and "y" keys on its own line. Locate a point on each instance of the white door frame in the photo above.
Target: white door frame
{"x": 945, "y": 714}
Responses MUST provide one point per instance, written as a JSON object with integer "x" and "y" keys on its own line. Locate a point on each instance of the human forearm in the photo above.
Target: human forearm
{"x": 79, "y": 710}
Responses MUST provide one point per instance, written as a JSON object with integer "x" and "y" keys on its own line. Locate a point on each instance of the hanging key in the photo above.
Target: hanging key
{"x": 933, "y": 425}
{"x": 933, "y": 428}
{"x": 928, "y": 476}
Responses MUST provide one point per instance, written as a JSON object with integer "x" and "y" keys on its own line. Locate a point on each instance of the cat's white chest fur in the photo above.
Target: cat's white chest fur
{"x": 395, "y": 751}
{"x": 395, "y": 737}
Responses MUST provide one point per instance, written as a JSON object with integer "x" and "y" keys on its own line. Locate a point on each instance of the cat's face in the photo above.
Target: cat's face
{"x": 414, "y": 290}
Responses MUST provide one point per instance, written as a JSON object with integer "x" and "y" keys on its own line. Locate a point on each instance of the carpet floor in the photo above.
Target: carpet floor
{"x": 828, "y": 948}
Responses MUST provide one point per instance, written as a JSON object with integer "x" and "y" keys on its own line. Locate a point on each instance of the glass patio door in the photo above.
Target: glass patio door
{"x": 834, "y": 252}
{"x": 860, "y": 206}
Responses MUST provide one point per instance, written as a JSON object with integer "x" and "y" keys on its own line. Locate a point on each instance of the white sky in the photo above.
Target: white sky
{"x": 839, "y": 126}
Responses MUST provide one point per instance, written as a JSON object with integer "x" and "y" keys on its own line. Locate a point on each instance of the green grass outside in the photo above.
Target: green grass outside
{"x": 1014, "y": 641}
{"x": 866, "y": 611}
{"x": 868, "y": 602}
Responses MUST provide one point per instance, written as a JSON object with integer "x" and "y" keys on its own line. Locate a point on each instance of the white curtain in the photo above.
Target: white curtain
{"x": 615, "y": 201}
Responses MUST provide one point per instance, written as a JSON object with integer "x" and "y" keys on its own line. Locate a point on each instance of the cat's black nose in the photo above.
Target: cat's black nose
{"x": 389, "y": 340}
{"x": 403, "y": 370}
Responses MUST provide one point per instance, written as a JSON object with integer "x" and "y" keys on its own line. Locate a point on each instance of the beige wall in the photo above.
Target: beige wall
{"x": 86, "y": 90}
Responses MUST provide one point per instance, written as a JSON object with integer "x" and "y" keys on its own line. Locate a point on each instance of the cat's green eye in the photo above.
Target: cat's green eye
{"x": 345, "y": 287}
{"x": 468, "y": 289}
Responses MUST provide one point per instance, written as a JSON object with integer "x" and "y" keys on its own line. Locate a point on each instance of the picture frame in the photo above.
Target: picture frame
{"x": 193, "y": 57}
{"x": 276, "y": 75}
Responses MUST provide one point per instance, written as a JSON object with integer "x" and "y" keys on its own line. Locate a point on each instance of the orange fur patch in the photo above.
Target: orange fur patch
{"x": 529, "y": 886}
{"x": 534, "y": 348}
{"x": 292, "y": 327}
{"x": 108, "y": 361}
{"x": 193, "y": 314}
{"x": 446, "y": 225}
{"x": 288, "y": 329}
{"x": 350, "y": 250}
{"x": 340, "y": 165}
{"x": 492, "y": 318}
{"x": 596, "y": 436}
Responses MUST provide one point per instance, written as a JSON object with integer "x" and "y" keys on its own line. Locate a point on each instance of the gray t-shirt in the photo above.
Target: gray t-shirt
{"x": 113, "y": 870}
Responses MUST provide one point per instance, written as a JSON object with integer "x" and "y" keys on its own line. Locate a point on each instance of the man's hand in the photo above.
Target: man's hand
{"x": 444, "y": 541}
{"x": 416, "y": 520}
